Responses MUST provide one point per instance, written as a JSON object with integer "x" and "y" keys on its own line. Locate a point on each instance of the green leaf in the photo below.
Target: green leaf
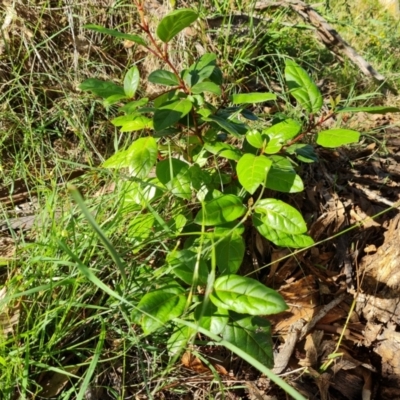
{"x": 171, "y": 113}
{"x": 202, "y": 87}
{"x": 337, "y": 137}
{"x": 226, "y": 124}
{"x": 183, "y": 264}
{"x": 282, "y": 177}
{"x": 279, "y": 237}
{"x": 132, "y": 106}
{"x": 303, "y": 152}
{"x": 102, "y": 88}
{"x": 156, "y": 308}
{"x": 302, "y": 88}
{"x": 202, "y": 69}
{"x": 251, "y": 98}
{"x": 140, "y": 157}
{"x": 223, "y": 150}
{"x": 211, "y": 317}
{"x": 255, "y": 139}
{"x": 140, "y": 229}
{"x": 252, "y": 334}
{"x": 252, "y": 171}
{"x": 246, "y": 296}
{"x": 132, "y": 122}
{"x": 175, "y": 22}
{"x": 179, "y": 340}
{"x": 281, "y": 216}
{"x": 229, "y": 254}
{"x": 221, "y": 210}
{"x": 112, "y": 32}
{"x": 279, "y": 134}
{"x": 175, "y": 175}
{"x": 131, "y": 81}
{"x": 371, "y": 110}
{"x": 163, "y": 77}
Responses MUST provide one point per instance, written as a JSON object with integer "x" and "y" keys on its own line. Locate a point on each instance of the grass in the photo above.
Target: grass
{"x": 61, "y": 335}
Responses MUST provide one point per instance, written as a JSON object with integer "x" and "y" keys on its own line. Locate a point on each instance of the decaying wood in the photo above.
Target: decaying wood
{"x": 329, "y": 37}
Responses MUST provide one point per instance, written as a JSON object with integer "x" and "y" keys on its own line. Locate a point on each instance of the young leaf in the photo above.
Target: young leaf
{"x": 112, "y": 32}
{"x": 202, "y": 87}
{"x": 221, "y": 210}
{"x": 171, "y": 113}
{"x": 223, "y": 150}
{"x": 163, "y": 77}
{"x": 175, "y": 175}
{"x": 132, "y": 122}
{"x": 131, "y": 81}
{"x": 183, "y": 265}
{"x": 280, "y": 238}
{"x": 303, "y": 89}
{"x": 254, "y": 137}
{"x": 229, "y": 254}
{"x": 140, "y": 157}
{"x": 102, "y": 88}
{"x": 252, "y": 171}
{"x": 175, "y": 22}
{"x": 252, "y": 334}
{"x": 281, "y": 216}
{"x": 287, "y": 129}
{"x": 371, "y": 110}
{"x": 337, "y": 137}
{"x": 251, "y": 98}
{"x": 211, "y": 318}
{"x": 156, "y": 308}
{"x": 246, "y": 296}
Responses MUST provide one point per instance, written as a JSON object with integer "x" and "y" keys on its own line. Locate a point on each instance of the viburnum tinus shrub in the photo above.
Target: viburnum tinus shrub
{"x": 216, "y": 186}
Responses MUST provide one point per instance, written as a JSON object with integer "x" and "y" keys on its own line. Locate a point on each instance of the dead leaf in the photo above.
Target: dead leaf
{"x": 194, "y": 363}
{"x": 9, "y": 317}
{"x": 54, "y": 382}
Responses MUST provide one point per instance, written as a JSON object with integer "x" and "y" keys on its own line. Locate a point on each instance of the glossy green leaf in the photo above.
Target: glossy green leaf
{"x": 175, "y": 175}
{"x": 175, "y": 22}
{"x": 102, "y": 89}
{"x": 224, "y": 150}
{"x": 202, "y": 87}
{"x": 337, "y": 137}
{"x": 282, "y": 177}
{"x": 156, "y": 308}
{"x": 283, "y": 131}
{"x": 226, "y": 124}
{"x": 371, "y": 110}
{"x": 112, "y": 32}
{"x": 179, "y": 340}
{"x": 131, "y": 81}
{"x": 132, "y": 106}
{"x": 229, "y": 254}
{"x": 221, "y": 210}
{"x": 171, "y": 113}
{"x": 281, "y": 216}
{"x": 183, "y": 264}
{"x": 302, "y": 88}
{"x": 246, "y": 296}
{"x": 211, "y": 317}
{"x": 278, "y": 237}
{"x": 132, "y": 122}
{"x": 252, "y": 334}
{"x": 303, "y": 152}
{"x": 163, "y": 77}
{"x": 252, "y": 171}
{"x": 251, "y": 98}
{"x": 140, "y": 157}
{"x": 255, "y": 138}
{"x": 202, "y": 69}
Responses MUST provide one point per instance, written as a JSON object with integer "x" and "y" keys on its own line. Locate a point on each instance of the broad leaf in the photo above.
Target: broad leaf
{"x": 140, "y": 229}
{"x": 250, "y": 98}
{"x": 132, "y": 106}
{"x": 211, "y": 317}
{"x": 278, "y": 237}
{"x": 175, "y": 22}
{"x": 282, "y": 177}
{"x": 202, "y": 87}
{"x": 303, "y": 152}
{"x": 132, "y": 122}
{"x": 281, "y": 216}
{"x": 337, "y": 137}
{"x": 302, "y": 88}
{"x": 171, "y": 113}
{"x": 252, "y": 171}
{"x": 140, "y": 157}
{"x": 183, "y": 264}
{"x": 246, "y": 296}
{"x": 287, "y": 129}
{"x": 179, "y": 340}
{"x": 371, "y": 110}
{"x": 202, "y": 69}
{"x": 131, "y": 81}
{"x": 102, "y": 89}
{"x": 229, "y": 254}
{"x": 221, "y": 210}
{"x": 175, "y": 175}
{"x": 224, "y": 150}
{"x": 163, "y": 77}
{"x": 112, "y": 32}
{"x": 252, "y": 334}
{"x": 255, "y": 138}
{"x": 156, "y": 308}
{"x": 227, "y": 125}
